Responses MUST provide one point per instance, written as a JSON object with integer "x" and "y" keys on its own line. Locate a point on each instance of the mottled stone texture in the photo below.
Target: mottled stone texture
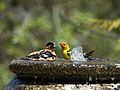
{"x": 57, "y": 75}
{"x": 67, "y": 87}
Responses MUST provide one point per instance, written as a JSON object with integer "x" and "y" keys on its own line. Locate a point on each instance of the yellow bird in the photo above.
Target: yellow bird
{"x": 66, "y": 51}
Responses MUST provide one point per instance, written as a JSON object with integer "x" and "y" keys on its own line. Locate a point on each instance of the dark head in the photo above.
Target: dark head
{"x": 50, "y": 45}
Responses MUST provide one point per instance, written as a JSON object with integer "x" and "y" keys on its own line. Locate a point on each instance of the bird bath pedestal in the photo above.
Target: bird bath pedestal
{"x": 95, "y": 74}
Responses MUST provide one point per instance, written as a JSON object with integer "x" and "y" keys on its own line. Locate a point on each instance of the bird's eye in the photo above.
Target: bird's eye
{"x": 64, "y": 44}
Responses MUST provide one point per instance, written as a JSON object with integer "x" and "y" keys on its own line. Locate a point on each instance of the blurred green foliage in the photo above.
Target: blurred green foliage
{"x": 26, "y": 26}
{"x": 5, "y": 76}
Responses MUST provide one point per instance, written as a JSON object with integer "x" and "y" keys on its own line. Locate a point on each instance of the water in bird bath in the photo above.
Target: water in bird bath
{"x": 77, "y": 54}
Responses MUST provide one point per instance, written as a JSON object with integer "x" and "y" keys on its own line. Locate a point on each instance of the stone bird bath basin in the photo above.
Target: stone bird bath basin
{"x": 34, "y": 75}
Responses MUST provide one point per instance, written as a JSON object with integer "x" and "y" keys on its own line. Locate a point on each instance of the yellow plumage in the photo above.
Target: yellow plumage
{"x": 65, "y": 50}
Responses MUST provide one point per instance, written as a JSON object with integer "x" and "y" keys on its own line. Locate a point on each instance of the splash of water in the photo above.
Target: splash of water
{"x": 77, "y": 54}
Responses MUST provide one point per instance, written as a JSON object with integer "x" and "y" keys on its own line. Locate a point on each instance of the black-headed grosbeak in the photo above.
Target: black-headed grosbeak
{"x": 48, "y": 53}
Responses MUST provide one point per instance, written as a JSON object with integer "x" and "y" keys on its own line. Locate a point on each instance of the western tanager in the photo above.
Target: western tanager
{"x": 66, "y": 51}
{"x": 48, "y": 53}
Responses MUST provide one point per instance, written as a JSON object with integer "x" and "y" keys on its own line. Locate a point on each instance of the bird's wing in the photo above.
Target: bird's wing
{"x": 69, "y": 52}
{"x": 34, "y": 55}
{"x": 41, "y": 55}
{"x": 35, "y": 52}
{"x": 47, "y": 54}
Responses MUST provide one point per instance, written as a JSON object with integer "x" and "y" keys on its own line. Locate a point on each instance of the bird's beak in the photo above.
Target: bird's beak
{"x": 61, "y": 44}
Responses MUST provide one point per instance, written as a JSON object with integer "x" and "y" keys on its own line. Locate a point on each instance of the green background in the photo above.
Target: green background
{"x": 26, "y": 25}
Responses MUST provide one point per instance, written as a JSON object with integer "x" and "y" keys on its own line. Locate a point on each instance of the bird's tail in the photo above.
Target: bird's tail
{"x": 86, "y": 55}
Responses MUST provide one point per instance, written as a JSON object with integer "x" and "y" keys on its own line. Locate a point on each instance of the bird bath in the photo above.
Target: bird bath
{"x": 64, "y": 74}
